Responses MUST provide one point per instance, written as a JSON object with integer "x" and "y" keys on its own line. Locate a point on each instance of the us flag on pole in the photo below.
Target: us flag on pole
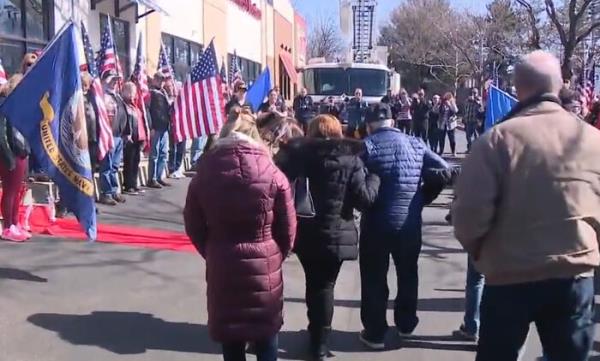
{"x": 164, "y": 65}
{"x": 587, "y": 86}
{"x": 105, "y": 137}
{"x": 235, "y": 71}
{"x": 2, "y": 74}
{"x": 107, "y": 57}
{"x": 140, "y": 78}
{"x": 199, "y": 107}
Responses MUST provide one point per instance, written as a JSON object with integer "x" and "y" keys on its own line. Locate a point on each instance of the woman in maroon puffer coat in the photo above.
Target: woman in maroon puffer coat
{"x": 240, "y": 216}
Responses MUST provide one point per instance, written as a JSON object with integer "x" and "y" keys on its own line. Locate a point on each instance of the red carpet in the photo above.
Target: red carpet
{"x": 120, "y": 234}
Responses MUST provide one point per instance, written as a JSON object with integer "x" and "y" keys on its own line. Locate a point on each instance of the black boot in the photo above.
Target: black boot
{"x": 319, "y": 351}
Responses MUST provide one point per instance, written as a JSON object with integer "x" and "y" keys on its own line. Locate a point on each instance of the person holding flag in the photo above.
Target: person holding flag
{"x": 47, "y": 109}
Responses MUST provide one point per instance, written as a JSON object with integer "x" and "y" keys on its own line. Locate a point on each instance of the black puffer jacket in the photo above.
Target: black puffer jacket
{"x": 12, "y": 142}
{"x": 339, "y": 183}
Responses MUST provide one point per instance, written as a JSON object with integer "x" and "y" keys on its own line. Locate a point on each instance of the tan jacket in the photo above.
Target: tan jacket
{"x": 528, "y": 199}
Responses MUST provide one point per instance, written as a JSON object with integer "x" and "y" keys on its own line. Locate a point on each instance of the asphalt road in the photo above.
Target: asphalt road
{"x": 73, "y": 301}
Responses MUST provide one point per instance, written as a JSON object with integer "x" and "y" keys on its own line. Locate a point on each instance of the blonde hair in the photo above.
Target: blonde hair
{"x": 86, "y": 79}
{"x": 244, "y": 124}
{"x": 324, "y": 126}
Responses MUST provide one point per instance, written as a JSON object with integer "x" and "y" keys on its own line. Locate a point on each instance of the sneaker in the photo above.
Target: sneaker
{"x": 454, "y": 154}
{"x": 179, "y": 175}
{"x": 24, "y": 232}
{"x": 370, "y": 343}
{"x": 163, "y": 183}
{"x": 12, "y": 234}
{"x": 463, "y": 335}
{"x": 140, "y": 191}
{"x": 119, "y": 198}
{"x": 131, "y": 192}
{"x": 107, "y": 200}
{"x": 404, "y": 334}
{"x": 154, "y": 184}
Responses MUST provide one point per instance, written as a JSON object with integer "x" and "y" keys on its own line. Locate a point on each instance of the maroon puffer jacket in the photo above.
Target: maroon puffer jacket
{"x": 240, "y": 216}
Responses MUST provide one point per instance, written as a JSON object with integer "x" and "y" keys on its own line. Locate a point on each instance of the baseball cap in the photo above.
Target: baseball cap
{"x": 378, "y": 113}
{"x": 109, "y": 75}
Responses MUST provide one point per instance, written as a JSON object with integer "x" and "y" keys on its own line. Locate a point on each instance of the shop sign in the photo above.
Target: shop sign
{"x": 249, "y": 7}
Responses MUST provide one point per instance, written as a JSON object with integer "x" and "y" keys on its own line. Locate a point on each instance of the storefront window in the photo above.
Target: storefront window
{"x": 182, "y": 53}
{"x": 25, "y": 25}
{"x": 250, "y": 69}
{"x": 120, "y": 29}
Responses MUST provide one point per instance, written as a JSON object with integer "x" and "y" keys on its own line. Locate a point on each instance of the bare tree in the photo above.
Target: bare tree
{"x": 324, "y": 39}
{"x": 570, "y": 21}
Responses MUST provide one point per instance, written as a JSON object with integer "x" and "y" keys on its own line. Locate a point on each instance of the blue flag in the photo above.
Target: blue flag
{"x": 499, "y": 104}
{"x": 47, "y": 108}
{"x": 259, "y": 90}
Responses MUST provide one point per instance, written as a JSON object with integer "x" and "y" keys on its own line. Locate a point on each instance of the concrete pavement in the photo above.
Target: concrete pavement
{"x": 72, "y": 301}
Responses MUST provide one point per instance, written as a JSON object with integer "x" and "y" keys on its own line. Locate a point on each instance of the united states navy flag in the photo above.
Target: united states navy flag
{"x": 47, "y": 108}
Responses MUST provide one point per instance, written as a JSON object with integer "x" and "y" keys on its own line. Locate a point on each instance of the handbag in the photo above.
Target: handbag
{"x": 303, "y": 201}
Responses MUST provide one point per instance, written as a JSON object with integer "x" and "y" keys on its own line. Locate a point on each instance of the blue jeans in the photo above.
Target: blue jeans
{"x": 472, "y": 131}
{"x": 159, "y": 148}
{"x": 473, "y": 293}
{"x": 109, "y": 169}
{"x": 265, "y": 350}
{"x": 562, "y": 310}
{"x": 176, "y": 153}
{"x": 197, "y": 148}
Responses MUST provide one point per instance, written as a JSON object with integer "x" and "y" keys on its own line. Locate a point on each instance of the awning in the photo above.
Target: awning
{"x": 288, "y": 64}
{"x": 152, "y": 5}
{"x": 123, "y": 5}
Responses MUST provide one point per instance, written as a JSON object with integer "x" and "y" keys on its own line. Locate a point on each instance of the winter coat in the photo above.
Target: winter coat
{"x": 160, "y": 111}
{"x": 117, "y": 113}
{"x": 357, "y": 110}
{"x": 303, "y": 107}
{"x": 403, "y": 163}
{"x": 12, "y": 143}
{"x": 535, "y": 211}
{"x": 447, "y": 116}
{"x": 91, "y": 120}
{"x": 240, "y": 216}
{"x": 338, "y": 183}
{"x": 421, "y": 110}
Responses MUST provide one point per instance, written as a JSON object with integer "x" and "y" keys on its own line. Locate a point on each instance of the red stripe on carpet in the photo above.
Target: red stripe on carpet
{"x": 119, "y": 234}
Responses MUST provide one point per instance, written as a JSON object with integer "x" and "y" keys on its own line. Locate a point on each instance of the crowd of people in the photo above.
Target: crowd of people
{"x": 530, "y": 228}
{"x": 286, "y": 180}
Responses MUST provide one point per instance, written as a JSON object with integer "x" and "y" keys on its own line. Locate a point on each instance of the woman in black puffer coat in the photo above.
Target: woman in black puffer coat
{"x": 339, "y": 184}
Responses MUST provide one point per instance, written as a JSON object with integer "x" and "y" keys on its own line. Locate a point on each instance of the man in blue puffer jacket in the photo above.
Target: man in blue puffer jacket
{"x": 411, "y": 177}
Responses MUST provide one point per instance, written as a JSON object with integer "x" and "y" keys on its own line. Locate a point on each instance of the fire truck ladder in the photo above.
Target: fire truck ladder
{"x": 363, "y": 15}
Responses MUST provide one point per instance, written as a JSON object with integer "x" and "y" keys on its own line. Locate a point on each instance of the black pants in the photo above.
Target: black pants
{"x": 131, "y": 164}
{"x": 375, "y": 250}
{"x": 420, "y": 131}
{"x": 451, "y": 138}
{"x": 266, "y": 350}
{"x": 562, "y": 310}
{"x": 433, "y": 138}
{"x": 321, "y": 276}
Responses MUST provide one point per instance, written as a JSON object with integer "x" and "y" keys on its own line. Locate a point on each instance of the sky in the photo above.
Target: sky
{"x": 312, "y": 8}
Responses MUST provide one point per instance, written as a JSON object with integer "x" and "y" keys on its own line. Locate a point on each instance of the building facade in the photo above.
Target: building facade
{"x": 260, "y": 32}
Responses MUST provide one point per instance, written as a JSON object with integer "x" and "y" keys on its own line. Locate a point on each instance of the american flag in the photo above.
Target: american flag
{"x": 2, "y": 74}
{"x": 235, "y": 71}
{"x": 108, "y": 59}
{"x": 223, "y": 72}
{"x": 140, "y": 78}
{"x": 105, "y": 137}
{"x": 199, "y": 106}
{"x": 587, "y": 86}
{"x": 164, "y": 65}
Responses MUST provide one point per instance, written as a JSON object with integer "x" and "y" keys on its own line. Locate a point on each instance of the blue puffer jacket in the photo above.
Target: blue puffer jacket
{"x": 403, "y": 163}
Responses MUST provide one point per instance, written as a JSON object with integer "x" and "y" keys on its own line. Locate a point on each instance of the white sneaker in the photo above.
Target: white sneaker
{"x": 372, "y": 344}
{"x": 179, "y": 175}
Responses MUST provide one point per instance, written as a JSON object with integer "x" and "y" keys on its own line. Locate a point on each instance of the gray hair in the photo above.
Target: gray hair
{"x": 537, "y": 73}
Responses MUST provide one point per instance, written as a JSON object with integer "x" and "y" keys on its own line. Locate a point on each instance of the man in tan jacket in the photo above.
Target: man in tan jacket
{"x": 528, "y": 212}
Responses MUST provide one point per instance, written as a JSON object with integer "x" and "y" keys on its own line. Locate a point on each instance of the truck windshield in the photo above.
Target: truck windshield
{"x": 338, "y": 81}
{"x": 373, "y": 82}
